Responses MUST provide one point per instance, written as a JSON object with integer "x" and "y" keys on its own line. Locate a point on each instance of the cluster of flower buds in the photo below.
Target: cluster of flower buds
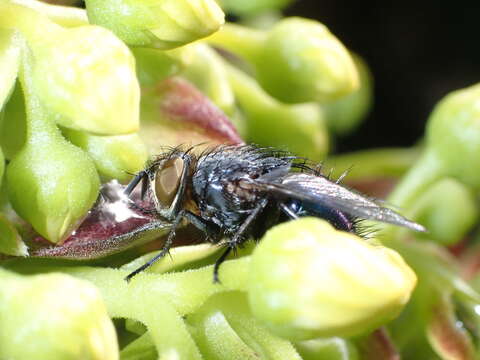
{"x": 87, "y": 95}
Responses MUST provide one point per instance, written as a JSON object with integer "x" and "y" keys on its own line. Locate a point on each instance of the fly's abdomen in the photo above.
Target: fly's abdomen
{"x": 340, "y": 220}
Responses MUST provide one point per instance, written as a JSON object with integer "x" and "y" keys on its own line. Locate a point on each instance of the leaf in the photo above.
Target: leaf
{"x": 112, "y": 226}
{"x": 175, "y": 112}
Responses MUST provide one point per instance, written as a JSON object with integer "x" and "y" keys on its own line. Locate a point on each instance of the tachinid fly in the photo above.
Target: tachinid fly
{"x": 238, "y": 192}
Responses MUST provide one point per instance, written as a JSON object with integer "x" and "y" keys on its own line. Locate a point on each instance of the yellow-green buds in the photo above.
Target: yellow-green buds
{"x": 86, "y": 77}
{"x": 345, "y": 114}
{"x": 297, "y": 61}
{"x": 448, "y": 210}
{"x": 302, "y": 61}
{"x": 452, "y": 147}
{"x": 309, "y": 280}
{"x": 162, "y": 24}
{"x": 453, "y": 134}
{"x": 115, "y": 157}
{"x": 53, "y": 316}
{"x": 51, "y": 183}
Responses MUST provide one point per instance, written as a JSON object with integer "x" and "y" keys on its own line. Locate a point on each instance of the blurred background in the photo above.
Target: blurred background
{"x": 417, "y": 52}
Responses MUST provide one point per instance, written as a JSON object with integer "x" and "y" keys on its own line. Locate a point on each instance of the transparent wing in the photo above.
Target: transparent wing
{"x": 319, "y": 190}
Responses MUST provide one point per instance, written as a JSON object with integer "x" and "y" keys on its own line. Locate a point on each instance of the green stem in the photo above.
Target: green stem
{"x": 374, "y": 163}
{"x": 427, "y": 170}
{"x": 39, "y": 128}
{"x": 247, "y": 90}
{"x": 239, "y": 40}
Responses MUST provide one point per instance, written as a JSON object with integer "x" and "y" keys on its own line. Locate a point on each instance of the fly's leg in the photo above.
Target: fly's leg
{"x": 219, "y": 262}
{"x": 141, "y": 176}
{"x": 289, "y": 212}
{"x": 192, "y": 218}
{"x": 238, "y": 238}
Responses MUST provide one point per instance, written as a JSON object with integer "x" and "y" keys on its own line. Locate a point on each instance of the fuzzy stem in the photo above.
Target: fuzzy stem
{"x": 239, "y": 40}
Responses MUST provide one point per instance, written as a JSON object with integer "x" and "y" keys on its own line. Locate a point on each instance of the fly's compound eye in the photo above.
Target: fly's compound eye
{"x": 167, "y": 181}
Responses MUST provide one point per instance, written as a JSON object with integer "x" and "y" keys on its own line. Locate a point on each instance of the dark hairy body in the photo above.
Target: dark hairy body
{"x": 237, "y": 192}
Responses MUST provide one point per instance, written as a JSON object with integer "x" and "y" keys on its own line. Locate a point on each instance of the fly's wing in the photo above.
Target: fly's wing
{"x": 319, "y": 190}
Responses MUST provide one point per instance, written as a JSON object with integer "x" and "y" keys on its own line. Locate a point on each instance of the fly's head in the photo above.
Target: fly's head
{"x": 165, "y": 179}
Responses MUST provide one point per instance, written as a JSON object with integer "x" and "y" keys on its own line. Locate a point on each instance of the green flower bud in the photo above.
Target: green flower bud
{"x": 115, "y": 157}
{"x": 53, "y": 316}
{"x": 309, "y": 280}
{"x": 298, "y": 128}
{"x": 297, "y": 61}
{"x": 162, "y": 24}
{"x": 448, "y": 210}
{"x": 345, "y": 115}
{"x": 302, "y": 61}
{"x": 86, "y": 76}
{"x": 51, "y": 183}
{"x": 10, "y": 49}
{"x": 252, "y": 7}
{"x": 453, "y": 134}
{"x": 452, "y": 147}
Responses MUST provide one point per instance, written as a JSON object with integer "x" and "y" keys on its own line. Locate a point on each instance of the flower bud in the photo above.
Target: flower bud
{"x": 452, "y": 147}
{"x": 162, "y": 24}
{"x": 115, "y": 157}
{"x": 302, "y": 61}
{"x": 448, "y": 210}
{"x": 453, "y": 134}
{"x": 345, "y": 114}
{"x": 86, "y": 77}
{"x": 51, "y": 183}
{"x": 297, "y": 61}
{"x": 10, "y": 47}
{"x": 53, "y": 316}
{"x": 309, "y": 280}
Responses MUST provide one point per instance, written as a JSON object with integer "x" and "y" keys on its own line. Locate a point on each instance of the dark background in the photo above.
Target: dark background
{"x": 417, "y": 53}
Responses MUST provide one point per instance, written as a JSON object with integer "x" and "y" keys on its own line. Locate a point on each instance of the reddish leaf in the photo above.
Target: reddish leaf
{"x": 110, "y": 227}
{"x": 446, "y": 335}
{"x": 378, "y": 346}
{"x": 174, "y": 112}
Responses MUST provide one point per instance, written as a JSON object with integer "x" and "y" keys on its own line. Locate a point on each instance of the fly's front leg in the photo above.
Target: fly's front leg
{"x": 192, "y": 218}
{"x": 238, "y": 238}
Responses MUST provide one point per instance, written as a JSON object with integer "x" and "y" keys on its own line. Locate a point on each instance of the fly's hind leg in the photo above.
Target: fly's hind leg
{"x": 238, "y": 238}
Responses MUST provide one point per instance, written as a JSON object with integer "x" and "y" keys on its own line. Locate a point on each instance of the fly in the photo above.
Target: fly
{"x": 238, "y": 192}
